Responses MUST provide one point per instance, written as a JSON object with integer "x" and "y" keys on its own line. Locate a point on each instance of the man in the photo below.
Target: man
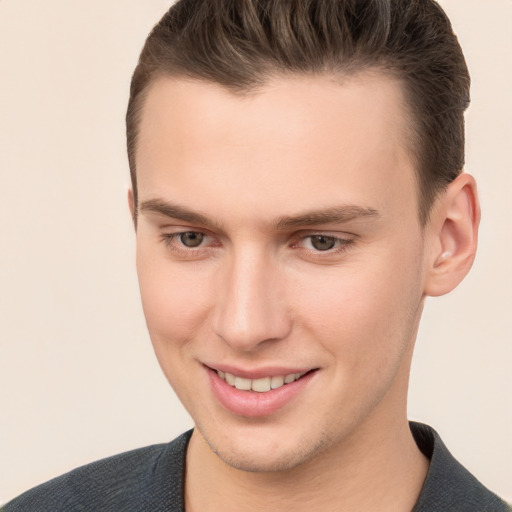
{"x": 297, "y": 193}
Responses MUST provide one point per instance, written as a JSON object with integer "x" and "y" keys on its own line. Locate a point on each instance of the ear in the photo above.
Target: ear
{"x": 131, "y": 205}
{"x": 452, "y": 233}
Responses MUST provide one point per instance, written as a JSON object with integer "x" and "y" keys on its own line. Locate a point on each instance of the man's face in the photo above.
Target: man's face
{"x": 278, "y": 234}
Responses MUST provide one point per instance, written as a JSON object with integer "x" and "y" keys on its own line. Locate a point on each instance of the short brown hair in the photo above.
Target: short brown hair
{"x": 241, "y": 43}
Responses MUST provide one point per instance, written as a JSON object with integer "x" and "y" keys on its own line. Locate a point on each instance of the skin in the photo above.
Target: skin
{"x": 258, "y": 293}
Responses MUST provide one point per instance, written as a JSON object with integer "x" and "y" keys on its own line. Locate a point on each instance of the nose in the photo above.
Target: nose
{"x": 251, "y": 309}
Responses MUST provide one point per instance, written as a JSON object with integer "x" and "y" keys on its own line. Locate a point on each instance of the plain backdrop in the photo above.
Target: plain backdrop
{"x": 78, "y": 378}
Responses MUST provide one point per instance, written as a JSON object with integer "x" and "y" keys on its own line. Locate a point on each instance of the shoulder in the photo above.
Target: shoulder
{"x": 149, "y": 478}
{"x": 449, "y": 486}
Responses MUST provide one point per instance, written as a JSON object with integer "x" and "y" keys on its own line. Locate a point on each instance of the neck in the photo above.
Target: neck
{"x": 370, "y": 471}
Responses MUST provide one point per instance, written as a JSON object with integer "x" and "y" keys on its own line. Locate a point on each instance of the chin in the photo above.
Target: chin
{"x": 264, "y": 454}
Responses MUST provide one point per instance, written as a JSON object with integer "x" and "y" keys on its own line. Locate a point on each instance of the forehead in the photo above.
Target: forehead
{"x": 338, "y": 137}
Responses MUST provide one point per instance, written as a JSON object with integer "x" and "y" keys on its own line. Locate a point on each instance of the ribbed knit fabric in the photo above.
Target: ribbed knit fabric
{"x": 151, "y": 480}
{"x": 449, "y": 486}
{"x": 144, "y": 480}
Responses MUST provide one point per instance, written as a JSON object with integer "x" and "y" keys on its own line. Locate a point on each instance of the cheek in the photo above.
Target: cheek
{"x": 365, "y": 315}
{"x": 175, "y": 299}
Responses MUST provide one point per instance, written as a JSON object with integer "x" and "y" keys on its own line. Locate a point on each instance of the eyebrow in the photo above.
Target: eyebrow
{"x": 333, "y": 215}
{"x": 175, "y": 212}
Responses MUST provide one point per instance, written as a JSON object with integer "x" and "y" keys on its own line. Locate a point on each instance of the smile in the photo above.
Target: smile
{"x": 261, "y": 385}
{"x": 259, "y": 392}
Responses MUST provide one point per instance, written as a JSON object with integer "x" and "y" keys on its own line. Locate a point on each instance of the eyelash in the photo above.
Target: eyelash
{"x": 341, "y": 244}
{"x": 180, "y": 249}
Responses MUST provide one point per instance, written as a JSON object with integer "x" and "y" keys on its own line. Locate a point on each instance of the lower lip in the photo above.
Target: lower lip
{"x": 251, "y": 403}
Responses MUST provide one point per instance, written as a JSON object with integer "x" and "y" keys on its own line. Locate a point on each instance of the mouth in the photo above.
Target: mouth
{"x": 258, "y": 393}
{"x": 260, "y": 385}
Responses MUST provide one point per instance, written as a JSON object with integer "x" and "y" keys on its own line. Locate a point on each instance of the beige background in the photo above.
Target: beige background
{"x": 78, "y": 379}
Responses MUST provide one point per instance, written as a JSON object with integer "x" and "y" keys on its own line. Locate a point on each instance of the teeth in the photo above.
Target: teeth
{"x": 243, "y": 384}
{"x": 259, "y": 385}
{"x": 276, "y": 382}
{"x": 289, "y": 378}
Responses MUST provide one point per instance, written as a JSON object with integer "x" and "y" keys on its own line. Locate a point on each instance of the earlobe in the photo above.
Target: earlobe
{"x": 453, "y": 235}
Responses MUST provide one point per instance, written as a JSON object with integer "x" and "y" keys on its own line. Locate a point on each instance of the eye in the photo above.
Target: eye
{"x": 191, "y": 238}
{"x": 322, "y": 242}
{"x": 187, "y": 242}
{"x": 324, "y": 245}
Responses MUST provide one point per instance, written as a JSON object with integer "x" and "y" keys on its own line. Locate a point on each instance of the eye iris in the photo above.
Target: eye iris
{"x": 191, "y": 239}
{"x": 323, "y": 243}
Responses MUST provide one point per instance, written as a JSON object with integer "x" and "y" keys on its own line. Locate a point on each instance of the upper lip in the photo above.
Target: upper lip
{"x": 258, "y": 373}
